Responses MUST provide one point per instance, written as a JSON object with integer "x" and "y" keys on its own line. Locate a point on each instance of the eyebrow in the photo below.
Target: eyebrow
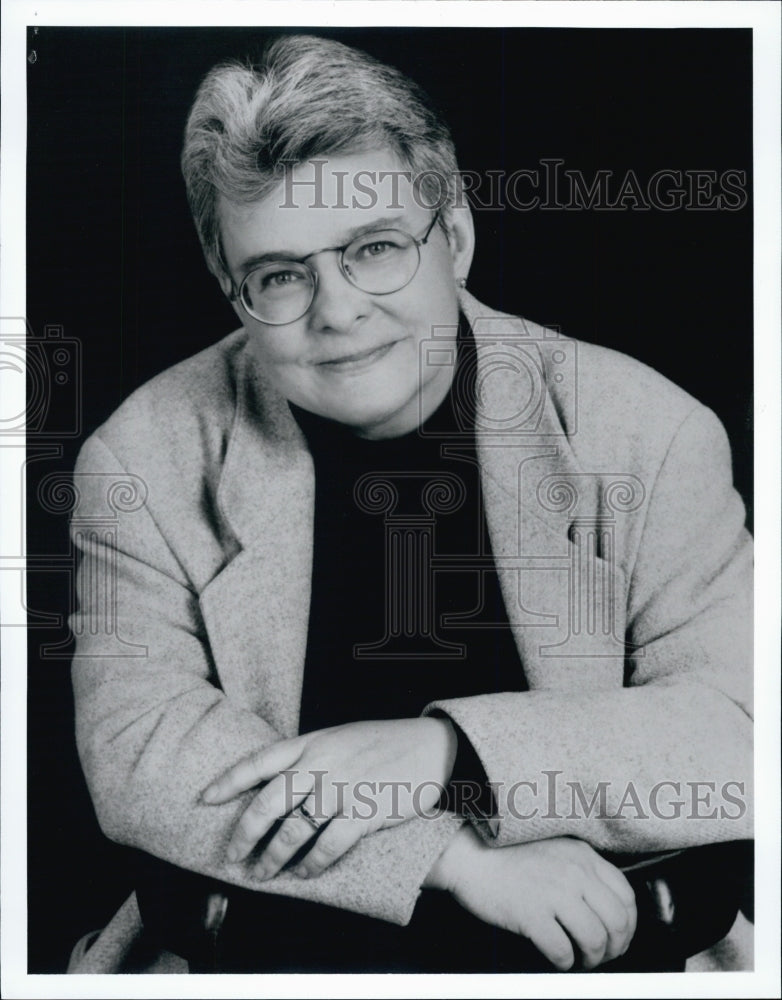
{"x": 386, "y": 222}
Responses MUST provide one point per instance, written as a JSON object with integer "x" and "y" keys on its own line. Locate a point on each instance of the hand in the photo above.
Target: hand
{"x": 352, "y": 780}
{"x": 559, "y": 893}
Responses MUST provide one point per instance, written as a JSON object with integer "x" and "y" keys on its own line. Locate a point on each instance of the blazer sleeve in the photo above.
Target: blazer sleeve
{"x": 153, "y": 727}
{"x": 664, "y": 761}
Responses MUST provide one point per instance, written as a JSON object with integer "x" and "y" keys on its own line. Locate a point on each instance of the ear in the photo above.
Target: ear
{"x": 224, "y": 282}
{"x": 461, "y": 235}
{"x": 226, "y": 287}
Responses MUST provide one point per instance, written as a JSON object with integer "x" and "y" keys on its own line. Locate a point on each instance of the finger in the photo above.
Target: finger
{"x": 335, "y": 841}
{"x": 587, "y": 931}
{"x": 618, "y": 919}
{"x": 258, "y": 767}
{"x": 616, "y": 880}
{"x": 293, "y": 835}
{"x": 273, "y": 802}
{"x": 552, "y": 942}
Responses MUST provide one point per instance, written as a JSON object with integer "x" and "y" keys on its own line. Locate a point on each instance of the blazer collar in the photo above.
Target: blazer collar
{"x": 267, "y": 475}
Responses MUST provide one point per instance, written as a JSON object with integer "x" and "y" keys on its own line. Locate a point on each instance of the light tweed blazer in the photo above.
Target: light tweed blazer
{"x": 622, "y": 557}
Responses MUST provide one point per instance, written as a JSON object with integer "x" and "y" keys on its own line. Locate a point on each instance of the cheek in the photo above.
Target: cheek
{"x": 274, "y": 349}
{"x": 437, "y": 296}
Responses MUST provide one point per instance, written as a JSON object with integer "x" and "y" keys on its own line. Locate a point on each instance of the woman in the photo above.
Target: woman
{"x": 387, "y": 545}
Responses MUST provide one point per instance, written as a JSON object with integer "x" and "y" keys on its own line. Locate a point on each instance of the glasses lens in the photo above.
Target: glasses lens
{"x": 279, "y": 292}
{"x": 381, "y": 262}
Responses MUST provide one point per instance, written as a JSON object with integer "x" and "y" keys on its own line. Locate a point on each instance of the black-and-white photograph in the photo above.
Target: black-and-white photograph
{"x": 400, "y": 621}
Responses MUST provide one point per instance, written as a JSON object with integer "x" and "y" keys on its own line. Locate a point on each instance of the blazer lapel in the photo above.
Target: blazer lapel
{"x": 256, "y": 609}
{"x": 555, "y": 560}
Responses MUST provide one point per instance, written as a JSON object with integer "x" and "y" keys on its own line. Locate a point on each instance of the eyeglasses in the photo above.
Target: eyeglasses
{"x": 379, "y": 262}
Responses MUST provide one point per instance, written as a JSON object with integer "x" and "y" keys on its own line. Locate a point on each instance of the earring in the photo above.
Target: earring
{"x": 462, "y": 282}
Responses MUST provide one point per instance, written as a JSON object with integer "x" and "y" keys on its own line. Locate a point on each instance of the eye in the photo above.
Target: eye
{"x": 377, "y": 248}
{"x": 280, "y": 279}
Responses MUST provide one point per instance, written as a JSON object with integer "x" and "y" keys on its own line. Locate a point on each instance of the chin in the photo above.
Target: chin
{"x": 377, "y": 400}
{"x": 362, "y": 419}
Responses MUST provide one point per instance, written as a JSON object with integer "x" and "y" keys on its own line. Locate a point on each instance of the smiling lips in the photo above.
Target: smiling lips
{"x": 354, "y": 362}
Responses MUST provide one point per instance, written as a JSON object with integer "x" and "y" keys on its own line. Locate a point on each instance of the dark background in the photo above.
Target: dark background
{"x": 113, "y": 259}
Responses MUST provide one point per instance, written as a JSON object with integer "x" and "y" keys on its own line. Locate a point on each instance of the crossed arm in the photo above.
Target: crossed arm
{"x": 558, "y": 893}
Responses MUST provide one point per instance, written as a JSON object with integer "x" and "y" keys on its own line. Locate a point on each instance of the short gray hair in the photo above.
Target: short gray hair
{"x": 307, "y": 96}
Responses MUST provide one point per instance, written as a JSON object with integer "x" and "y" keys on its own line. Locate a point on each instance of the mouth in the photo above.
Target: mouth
{"x": 357, "y": 361}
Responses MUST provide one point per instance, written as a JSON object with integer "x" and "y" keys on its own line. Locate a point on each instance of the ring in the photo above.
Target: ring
{"x": 306, "y": 814}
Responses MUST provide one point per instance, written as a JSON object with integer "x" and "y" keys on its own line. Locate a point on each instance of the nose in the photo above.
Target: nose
{"x": 338, "y": 304}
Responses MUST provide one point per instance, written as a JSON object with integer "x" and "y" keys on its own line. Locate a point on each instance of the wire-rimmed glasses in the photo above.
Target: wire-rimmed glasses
{"x": 380, "y": 262}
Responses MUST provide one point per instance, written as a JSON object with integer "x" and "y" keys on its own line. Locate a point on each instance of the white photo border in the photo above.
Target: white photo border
{"x": 764, "y": 19}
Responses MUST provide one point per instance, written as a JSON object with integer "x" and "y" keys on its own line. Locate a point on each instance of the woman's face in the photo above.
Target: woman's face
{"x": 356, "y": 358}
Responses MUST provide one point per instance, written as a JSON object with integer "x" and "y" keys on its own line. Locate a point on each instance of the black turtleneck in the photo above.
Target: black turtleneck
{"x": 370, "y": 558}
{"x": 384, "y": 566}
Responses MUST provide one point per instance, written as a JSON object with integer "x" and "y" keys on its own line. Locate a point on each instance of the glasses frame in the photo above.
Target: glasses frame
{"x": 236, "y": 293}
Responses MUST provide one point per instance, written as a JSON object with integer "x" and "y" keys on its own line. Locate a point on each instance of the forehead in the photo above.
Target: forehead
{"x": 320, "y": 202}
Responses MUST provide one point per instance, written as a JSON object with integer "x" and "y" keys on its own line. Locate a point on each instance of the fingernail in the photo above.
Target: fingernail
{"x": 260, "y": 872}
{"x": 233, "y": 853}
{"x": 209, "y": 795}
{"x": 301, "y": 871}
